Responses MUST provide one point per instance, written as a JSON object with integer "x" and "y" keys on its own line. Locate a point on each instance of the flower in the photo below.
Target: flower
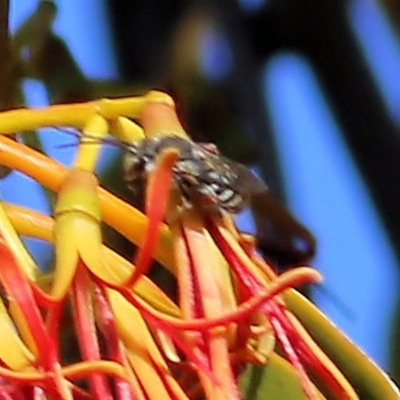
{"x": 133, "y": 340}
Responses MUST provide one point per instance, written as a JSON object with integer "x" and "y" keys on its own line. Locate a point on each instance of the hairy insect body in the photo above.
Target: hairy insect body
{"x": 201, "y": 175}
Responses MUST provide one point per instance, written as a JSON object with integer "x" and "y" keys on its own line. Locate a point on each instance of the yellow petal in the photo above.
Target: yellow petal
{"x": 142, "y": 352}
{"x": 13, "y": 352}
{"x": 23, "y": 327}
{"x": 14, "y": 243}
{"x": 77, "y": 227}
{"x": 126, "y": 130}
{"x": 159, "y": 117}
{"x": 87, "y": 156}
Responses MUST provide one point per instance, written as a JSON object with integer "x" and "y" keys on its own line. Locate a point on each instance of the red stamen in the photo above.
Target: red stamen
{"x": 274, "y": 313}
{"x": 291, "y": 354}
{"x": 157, "y": 192}
{"x": 86, "y": 330}
{"x": 19, "y": 289}
{"x": 114, "y": 346}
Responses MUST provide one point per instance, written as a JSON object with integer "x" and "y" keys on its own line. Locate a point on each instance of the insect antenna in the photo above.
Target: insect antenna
{"x": 87, "y": 138}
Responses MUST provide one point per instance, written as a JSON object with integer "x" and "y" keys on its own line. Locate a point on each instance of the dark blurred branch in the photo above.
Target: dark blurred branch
{"x": 7, "y": 70}
{"x": 393, "y": 11}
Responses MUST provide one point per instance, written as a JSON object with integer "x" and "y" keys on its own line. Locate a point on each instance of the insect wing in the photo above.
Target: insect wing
{"x": 279, "y": 234}
{"x": 247, "y": 182}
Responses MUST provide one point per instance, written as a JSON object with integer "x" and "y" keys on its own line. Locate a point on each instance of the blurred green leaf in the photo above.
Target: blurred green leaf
{"x": 369, "y": 381}
{"x": 275, "y": 381}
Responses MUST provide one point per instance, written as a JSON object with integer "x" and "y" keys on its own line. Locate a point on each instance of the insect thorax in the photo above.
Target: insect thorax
{"x": 201, "y": 175}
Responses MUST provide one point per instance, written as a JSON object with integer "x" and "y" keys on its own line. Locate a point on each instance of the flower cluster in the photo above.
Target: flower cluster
{"x": 96, "y": 326}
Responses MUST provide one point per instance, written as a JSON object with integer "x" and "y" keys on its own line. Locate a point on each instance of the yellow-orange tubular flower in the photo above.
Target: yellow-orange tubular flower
{"x": 135, "y": 342}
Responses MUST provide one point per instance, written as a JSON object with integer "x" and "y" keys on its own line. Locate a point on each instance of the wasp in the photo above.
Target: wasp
{"x": 215, "y": 183}
{"x": 202, "y": 175}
